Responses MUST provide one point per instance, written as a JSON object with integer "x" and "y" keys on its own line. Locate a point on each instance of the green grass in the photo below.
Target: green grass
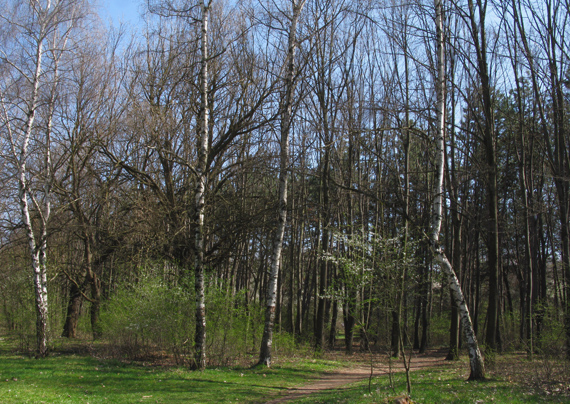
{"x": 447, "y": 385}
{"x": 79, "y": 379}
{"x": 72, "y": 378}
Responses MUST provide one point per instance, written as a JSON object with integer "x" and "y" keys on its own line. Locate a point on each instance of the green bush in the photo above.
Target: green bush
{"x": 286, "y": 345}
{"x": 551, "y": 340}
{"x": 147, "y": 318}
{"x": 18, "y": 315}
{"x": 234, "y": 327}
{"x": 439, "y": 330}
{"x": 153, "y": 318}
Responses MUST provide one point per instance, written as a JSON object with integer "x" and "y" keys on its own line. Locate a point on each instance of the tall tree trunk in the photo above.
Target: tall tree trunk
{"x": 286, "y": 116}
{"x": 397, "y": 339}
{"x": 453, "y": 353}
{"x": 475, "y": 358}
{"x": 426, "y": 304}
{"x": 348, "y": 309}
{"x": 95, "y": 286}
{"x": 37, "y": 247}
{"x": 203, "y": 139}
{"x": 323, "y": 268}
{"x": 478, "y": 34}
{"x": 556, "y": 148}
{"x": 526, "y": 193}
{"x": 561, "y": 170}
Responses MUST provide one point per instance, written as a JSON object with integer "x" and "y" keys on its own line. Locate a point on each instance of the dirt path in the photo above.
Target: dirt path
{"x": 360, "y": 371}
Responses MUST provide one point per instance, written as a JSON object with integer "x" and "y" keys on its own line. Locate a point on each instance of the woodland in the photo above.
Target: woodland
{"x": 228, "y": 179}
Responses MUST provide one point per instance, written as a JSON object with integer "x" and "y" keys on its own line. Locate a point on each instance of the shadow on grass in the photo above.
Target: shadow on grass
{"x": 71, "y": 379}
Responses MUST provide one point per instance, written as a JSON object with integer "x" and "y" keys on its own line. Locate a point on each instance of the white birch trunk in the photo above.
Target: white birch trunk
{"x": 20, "y": 141}
{"x": 286, "y": 115}
{"x": 200, "y": 336}
{"x": 475, "y": 358}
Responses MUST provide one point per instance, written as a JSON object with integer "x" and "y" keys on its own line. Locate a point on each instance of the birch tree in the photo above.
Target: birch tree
{"x": 201, "y": 177}
{"x": 286, "y": 110}
{"x": 475, "y": 357}
{"x": 31, "y": 58}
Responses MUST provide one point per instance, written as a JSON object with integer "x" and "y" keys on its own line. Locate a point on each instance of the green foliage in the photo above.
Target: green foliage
{"x": 149, "y": 316}
{"x": 234, "y": 328}
{"x": 286, "y": 345}
{"x": 363, "y": 260}
{"x": 17, "y": 314}
{"x": 510, "y": 331}
{"x": 439, "y": 329}
{"x": 552, "y": 337}
{"x": 155, "y": 317}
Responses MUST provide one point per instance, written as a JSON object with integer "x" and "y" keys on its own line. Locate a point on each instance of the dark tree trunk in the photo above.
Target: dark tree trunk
{"x": 349, "y": 321}
{"x": 73, "y": 312}
{"x": 453, "y": 353}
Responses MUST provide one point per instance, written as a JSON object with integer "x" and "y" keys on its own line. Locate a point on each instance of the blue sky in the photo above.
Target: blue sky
{"x": 125, "y": 11}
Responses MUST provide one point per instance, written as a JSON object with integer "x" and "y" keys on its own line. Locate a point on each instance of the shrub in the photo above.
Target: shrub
{"x": 156, "y": 318}
{"x": 234, "y": 327}
{"x": 148, "y": 318}
{"x": 18, "y": 316}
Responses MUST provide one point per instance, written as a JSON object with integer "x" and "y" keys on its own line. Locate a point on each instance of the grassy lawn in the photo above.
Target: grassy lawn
{"x": 507, "y": 384}
{"x": 80, "y": 379}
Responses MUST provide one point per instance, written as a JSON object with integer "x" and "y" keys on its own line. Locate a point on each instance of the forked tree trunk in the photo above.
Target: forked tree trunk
{"x": 475, "y": 358}
{"x": 47, "y": 34}
{"x": 286, "y": 115}
{"x": 37, "y": 248}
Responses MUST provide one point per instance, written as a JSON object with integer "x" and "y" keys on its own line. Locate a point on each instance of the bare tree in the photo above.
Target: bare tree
{"x": 203, "y": 90}
{"x": 33, "y": 54}
{"x": 547, "y": 64}
{"x": 89, "y": 101}
{"x": 286, "y": 111}
{"x": 475, "y": 357}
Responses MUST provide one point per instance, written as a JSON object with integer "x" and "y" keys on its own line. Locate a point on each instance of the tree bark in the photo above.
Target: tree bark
{"x": 37, "y": 247}
{"x": 475, "y": 358}
{"x": 323, "y": 267}
{"x": 73, "y": 311}
{"x": 285, "y": 124}
{"x": 478, "y": 35}
{"x": 203, "y": 139}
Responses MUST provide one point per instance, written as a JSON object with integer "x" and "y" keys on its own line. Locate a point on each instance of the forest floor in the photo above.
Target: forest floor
{"x": 511, "y": 377}
{"x": 78, "y": 372}
{"x": 363, "y": 366}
